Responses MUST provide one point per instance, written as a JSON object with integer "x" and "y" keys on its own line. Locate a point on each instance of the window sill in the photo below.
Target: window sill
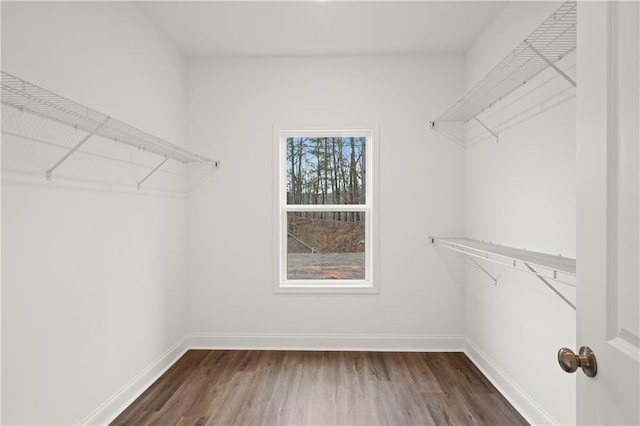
{"x": 328, "y": 286}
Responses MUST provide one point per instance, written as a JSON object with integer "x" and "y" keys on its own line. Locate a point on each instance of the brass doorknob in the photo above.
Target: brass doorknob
{"x": 585, "y": 359}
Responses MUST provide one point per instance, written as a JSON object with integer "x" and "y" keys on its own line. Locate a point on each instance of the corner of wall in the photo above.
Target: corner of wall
{"x": 491, "y": 211}
{"x": 113, "y": 406}
{"x": 516, "y": 396}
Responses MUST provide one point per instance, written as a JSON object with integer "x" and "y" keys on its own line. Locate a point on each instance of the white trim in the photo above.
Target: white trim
{"x": 517, "y": 397}
{"x": 327, "y": 342}
{"x": 327, "y": 286}
{"x": 120, "y": 400}
{"x": 370, "y": 283}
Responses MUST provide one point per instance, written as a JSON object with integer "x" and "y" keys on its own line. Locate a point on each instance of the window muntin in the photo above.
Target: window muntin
{"x": 325, "y": 210}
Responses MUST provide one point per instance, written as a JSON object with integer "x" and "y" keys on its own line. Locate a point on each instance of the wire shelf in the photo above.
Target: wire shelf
{"x": 544, "y": 266}
{"x": 554, "y": 39}
{"x": 28, "y": 97}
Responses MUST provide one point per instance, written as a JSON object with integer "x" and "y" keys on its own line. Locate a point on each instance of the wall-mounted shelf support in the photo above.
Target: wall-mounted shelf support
{"x": 495, "y": 280}
{"x": 522, "y": 260}
{"x": 551, "y": 64}
{"x": 458, "y": 140}
{"x": 544, "y": 280}
{"x": 495, "y": 135}
{"x": 74, "y": 149}
{"x": 152, "y": 172}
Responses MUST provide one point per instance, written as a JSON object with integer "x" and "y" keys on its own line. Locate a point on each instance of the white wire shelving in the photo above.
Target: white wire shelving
{"x": 30, "y": 98}
{"x": 546, "y": 267}
{"x": 554, "y": 39}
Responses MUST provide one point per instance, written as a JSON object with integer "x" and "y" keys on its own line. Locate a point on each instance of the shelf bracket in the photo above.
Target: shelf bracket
{"x": 75, "y": 148}
{"x": 152, "y": 172}
{"x": 551, "y": 64}
{"x": 495, "y": 135}
{"x": 495, "y": 280}
{"x": 458, "y": 141}
{"x": 433, "y": 239}
{"x": 549, "y": 285}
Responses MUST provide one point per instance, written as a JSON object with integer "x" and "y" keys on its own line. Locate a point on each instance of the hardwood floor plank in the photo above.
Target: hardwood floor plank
{"x": 166, "y": 386}
{"x": 405, "y": 390}
{"x": 424, "y": 379}
{"x": 321, "y": 388}
{"x": 192, "y": 421}
{"x": 438, "y": 407}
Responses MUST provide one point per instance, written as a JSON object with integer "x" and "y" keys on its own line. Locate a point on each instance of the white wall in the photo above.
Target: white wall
{"x": 520, "y": 192}
{"x": 93, "y": 282}
{"x": 234, "y": 104}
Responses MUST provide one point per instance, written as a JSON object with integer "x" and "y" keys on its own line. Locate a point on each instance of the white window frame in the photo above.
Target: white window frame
{"x": 280, "y": 282}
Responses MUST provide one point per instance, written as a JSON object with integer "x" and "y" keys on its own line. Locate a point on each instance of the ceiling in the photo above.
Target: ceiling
{"x": 294, "y": 28}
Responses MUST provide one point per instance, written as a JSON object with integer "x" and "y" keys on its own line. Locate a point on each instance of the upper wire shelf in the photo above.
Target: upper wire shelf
{"x": 544, "y": 266}
{"x": 28, "y": 97}
{"x": 554, "y": 39}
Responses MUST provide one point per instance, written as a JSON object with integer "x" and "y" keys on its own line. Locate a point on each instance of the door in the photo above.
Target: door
{"x": 608, "y": 218}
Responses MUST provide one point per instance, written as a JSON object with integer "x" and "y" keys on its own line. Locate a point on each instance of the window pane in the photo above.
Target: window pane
{"x": 326, "y": 170}
{"x": 325, "y": 245}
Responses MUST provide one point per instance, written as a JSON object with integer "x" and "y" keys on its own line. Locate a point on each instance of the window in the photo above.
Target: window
{"x": 325, "y": 190}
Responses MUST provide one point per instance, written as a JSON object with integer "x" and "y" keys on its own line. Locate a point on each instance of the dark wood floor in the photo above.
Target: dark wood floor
{"x": 321, "y": 388}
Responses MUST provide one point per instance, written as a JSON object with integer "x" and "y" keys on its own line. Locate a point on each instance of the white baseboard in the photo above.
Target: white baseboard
{"x": 136, "y": 386}
{"x": 331, "y": 342}
{"x": 521, "y": 401}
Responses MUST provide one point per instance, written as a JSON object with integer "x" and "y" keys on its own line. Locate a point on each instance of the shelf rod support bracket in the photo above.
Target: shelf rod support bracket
{"x": 152, "y": 172}
{"x": 495, "y": 135}
{"x": 562, "y": 296}
{"x": 495, "y": 280}
{"x": 551, "y": 64}
{"x": 433, "y": 240}
{"x": 449, "y": 135}
{"x": 75, "y": 148}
